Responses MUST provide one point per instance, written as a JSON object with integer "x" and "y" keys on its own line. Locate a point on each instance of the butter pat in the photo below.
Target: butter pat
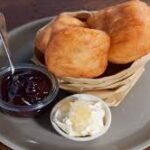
{"x": 80, "y": 117}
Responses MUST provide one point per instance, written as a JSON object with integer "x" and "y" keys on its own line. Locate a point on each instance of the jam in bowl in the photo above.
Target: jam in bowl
{"x": 27, "y": 91}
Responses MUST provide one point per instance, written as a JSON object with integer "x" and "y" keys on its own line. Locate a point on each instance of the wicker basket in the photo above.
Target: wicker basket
{"x": 112, "y": 89}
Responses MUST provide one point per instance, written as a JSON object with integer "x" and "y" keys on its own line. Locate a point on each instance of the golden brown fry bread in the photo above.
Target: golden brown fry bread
{"x": 78, "y": 52}
{"x": 128, "y": 25}
{"x": 42, "y": 38}
{"x": 62, "y": 21}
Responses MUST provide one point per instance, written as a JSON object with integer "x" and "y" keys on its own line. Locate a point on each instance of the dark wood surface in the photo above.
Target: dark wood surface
{"x": 3, "y": 147}
{"x": 18, "y": 12}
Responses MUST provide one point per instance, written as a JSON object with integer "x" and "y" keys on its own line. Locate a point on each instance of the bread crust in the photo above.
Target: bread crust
{"x": 44, "y": 35}
{"x": 128, "y": 25}
{"x": 78, "y": 52}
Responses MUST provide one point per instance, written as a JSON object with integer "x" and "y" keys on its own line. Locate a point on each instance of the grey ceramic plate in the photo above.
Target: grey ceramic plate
{"x": 130, "y": 127}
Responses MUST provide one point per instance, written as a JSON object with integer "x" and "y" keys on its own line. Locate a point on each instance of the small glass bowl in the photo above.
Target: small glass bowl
{"x": 34, "y": 109}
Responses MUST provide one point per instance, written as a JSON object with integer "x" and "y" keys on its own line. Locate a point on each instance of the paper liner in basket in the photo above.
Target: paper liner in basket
{"x": 111, "y": 89}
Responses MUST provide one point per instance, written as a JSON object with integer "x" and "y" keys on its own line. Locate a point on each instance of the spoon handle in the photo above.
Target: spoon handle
{"x": 4, "y": 38}
{"x": 3, "y": 28}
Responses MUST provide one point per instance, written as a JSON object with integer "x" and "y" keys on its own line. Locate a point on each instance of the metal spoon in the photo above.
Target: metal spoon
{"x": 4, "y": 38}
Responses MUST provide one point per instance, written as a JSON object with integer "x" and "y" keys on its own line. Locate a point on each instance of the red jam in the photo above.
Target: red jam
{"x": 25, "y": 87}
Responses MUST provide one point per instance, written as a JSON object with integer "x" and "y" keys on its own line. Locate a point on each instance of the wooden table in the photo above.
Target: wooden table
{"x": 19, "y": 12}
{"x": 3, "y": 147}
